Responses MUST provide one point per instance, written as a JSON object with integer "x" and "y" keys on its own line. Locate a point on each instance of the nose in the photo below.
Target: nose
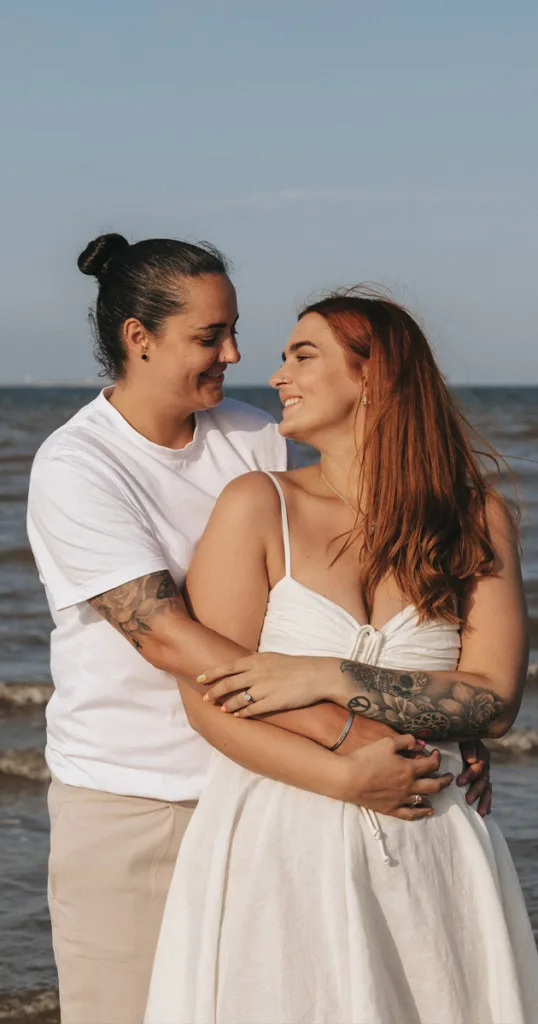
{"x": 279, "y": 378}
{"x": 229, "y": 352}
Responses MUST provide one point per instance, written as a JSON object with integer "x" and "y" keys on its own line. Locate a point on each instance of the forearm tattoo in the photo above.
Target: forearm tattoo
{"x": 132, "y": 608}
{"x": 409, "y": 702}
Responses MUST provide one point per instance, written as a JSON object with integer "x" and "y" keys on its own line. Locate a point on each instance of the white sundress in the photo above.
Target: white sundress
{"x": 287, "y": 907}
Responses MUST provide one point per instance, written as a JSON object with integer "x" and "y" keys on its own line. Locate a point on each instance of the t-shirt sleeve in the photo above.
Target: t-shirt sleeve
{"x": 86, "y": 532}
{"x": 272, "y": 449}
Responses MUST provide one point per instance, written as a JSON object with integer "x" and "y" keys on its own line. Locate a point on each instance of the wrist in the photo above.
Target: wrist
{"x": 335, "y": 683}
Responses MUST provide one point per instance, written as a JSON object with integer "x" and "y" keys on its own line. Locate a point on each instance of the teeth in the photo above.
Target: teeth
{"x": 291, "y": 401}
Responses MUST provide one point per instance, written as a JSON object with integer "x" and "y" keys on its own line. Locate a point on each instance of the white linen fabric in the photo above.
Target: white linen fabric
{"x": 106, "y": 506}
{"x": 284, "y": 910}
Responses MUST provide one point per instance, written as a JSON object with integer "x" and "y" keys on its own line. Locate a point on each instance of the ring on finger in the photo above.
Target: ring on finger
{"x": 417, "y": 800}
{"x": 248, "y": 697}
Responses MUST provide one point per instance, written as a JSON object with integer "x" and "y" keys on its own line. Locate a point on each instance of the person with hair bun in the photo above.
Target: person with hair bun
{"x": 119, "y": 498}
{"x": 384, "y": 579}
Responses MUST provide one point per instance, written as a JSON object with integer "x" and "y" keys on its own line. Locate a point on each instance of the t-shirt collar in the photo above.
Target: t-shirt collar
{"x": 159, "y": 451}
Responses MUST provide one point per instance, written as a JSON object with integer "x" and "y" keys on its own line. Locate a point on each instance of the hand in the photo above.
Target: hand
{"x": 380, "y": 778}
{"x": 475, "y": 774}
{"x": 275, "y": 682}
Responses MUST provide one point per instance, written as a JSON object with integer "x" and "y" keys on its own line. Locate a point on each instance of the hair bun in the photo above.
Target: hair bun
{"x": 97, "y": 255}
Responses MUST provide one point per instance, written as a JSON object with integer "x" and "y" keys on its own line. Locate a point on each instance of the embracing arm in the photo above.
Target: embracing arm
{"x": 151, "y": 614}
{"x": 480, "y": 698}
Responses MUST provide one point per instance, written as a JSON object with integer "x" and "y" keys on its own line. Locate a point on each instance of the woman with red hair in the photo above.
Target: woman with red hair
{"x": 385, "y": 579}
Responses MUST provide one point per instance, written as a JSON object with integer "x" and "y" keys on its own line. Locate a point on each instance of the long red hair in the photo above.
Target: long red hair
{"x": 422, "y": 494}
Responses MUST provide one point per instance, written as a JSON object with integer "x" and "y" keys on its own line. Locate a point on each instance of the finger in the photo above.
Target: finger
{"x": 471, "y": 773}
{"x": 241, "y": 700}
{"x": 484, "y": 807}
{"x": 406, "y": 742}
{"x": 254, "y": 710}
{"x": 476, "y": 790}
{"x": 222, "y": 689}
{"x": 232, "y": 668}
{"x": 468, "y": 751}
{"x": 484, "y": 802}
{"x": 432, "y": 786}
{"x": 483, "y": 752}
{"x": 233, "y": 684}
{"x": 413, "y": 813}
{"x": 426, "y": 765}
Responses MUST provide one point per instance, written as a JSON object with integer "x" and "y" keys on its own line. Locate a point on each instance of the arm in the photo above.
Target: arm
{"x": 480, "y": 698}
{"x": 151, "y": 614}
{"x": 483, "y": 696}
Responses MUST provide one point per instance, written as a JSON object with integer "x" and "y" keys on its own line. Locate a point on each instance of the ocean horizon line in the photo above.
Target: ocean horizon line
{"x": 90, "y": 385}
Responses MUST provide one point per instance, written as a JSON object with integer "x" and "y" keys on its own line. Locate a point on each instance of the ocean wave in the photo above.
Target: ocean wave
{"x": 24, "y": 695}
{"x": 24, "y": 763}
{"x": 29, "y": 762}
{"x": 39, "y": 1006}
{"x": 517, "y": 741}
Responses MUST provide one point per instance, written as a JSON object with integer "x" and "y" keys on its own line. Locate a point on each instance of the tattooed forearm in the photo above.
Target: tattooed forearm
{"x": 411, "y": 702}
{"x": 132, "y": 607}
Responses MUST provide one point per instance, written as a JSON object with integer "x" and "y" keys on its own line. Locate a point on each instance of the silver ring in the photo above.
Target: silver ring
{"x": 417, "y": 800}
{"x": 248, "y": 697}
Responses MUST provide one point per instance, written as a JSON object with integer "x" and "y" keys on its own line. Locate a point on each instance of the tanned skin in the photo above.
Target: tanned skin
{"x": 410, "y": 702}
{"x": 130, "y": 607}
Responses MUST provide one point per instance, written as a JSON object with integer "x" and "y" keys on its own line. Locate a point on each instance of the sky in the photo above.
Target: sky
{"x": 317, "y": 143}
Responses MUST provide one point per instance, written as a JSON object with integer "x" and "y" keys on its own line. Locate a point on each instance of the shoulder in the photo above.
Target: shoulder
{"x": 234, "y": 415}
{"x": 252, "y": 432}
{"x": 251, "y": 499}
{"x": 70, "y": 438}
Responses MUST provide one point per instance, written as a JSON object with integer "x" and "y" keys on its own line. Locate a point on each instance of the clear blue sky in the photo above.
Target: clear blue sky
{"x": 317, "y": 143}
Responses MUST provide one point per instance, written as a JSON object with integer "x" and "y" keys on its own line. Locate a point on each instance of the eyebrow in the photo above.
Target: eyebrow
{"x": 296, "y": 346}
{"x": 218, "y": 326}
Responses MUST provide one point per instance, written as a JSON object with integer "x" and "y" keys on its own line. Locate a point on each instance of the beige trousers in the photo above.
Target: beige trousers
{"x": 111, "y": 864}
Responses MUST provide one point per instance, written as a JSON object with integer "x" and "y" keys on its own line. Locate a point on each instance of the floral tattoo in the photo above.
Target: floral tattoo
{"x": 410, "y": 702}
{"x": 132, "y": 607}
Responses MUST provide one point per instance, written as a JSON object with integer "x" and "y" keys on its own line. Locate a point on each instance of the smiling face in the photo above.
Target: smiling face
{"x": 187, "y": 359}
{"x": 319, "y": 390}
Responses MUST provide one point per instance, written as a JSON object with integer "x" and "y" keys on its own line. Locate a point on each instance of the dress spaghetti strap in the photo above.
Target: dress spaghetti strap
{"x": 285, "y": 524}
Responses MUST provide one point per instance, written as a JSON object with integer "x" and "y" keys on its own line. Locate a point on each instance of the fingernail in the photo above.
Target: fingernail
{"x": 430, "y": 814}
{"x": 205, "y": 697}
{"x": 224, "y": 708}
{"x": 421, "y": 743}
{"x": 201, "y": 679}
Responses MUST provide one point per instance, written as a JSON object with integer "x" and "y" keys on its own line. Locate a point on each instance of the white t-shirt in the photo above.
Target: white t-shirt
{"x": 106, "y": 505}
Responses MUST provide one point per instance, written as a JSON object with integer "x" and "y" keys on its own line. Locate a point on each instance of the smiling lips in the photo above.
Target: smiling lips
{"x": 217, "y": 375}
{"x": 288, "y": 402}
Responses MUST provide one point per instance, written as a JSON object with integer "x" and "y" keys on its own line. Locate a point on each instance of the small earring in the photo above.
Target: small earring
{"x": 365, "y": 399}
{"x": 144, "y": 355}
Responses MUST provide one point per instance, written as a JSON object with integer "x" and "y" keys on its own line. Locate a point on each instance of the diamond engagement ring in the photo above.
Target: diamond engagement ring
{"x": 248, "y": 697}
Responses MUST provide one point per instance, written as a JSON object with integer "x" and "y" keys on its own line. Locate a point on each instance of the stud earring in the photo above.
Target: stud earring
{"x": 144, "y": 355}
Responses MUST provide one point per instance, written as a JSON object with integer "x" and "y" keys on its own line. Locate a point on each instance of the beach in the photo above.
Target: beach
{"x": 507, "y": 417}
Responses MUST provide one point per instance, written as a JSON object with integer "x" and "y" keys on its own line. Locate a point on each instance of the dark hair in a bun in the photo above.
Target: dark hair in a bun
{"x": 97, "y": 254}
{"x": 139, "y": 281}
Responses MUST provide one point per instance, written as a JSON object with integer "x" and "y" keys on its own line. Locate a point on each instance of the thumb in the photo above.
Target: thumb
{"x": 468, "y": 751}
{"x": 406, "y": 742}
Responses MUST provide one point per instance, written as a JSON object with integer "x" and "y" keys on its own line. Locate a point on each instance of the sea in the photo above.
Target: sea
{"x": 506, "y": 417}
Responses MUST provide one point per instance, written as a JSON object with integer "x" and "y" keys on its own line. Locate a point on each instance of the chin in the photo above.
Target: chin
{"x": 211, "y": 395}
{"x": 294, "y": 431}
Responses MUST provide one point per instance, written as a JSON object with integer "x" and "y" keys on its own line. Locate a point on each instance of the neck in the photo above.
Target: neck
{"x": 340, "y": 466}
{"x": 160, "y": 418}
